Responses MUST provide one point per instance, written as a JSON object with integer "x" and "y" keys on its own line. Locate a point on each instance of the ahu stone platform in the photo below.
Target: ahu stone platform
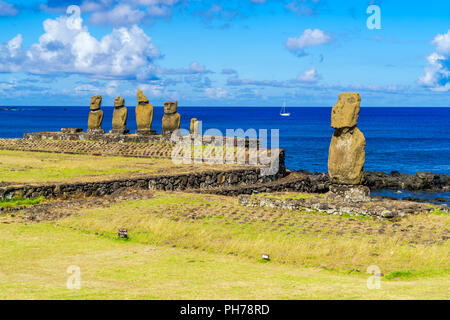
{"x": 377, "y": 208}
{"x": 96, "y": 148}
{"x": 75, "y": 134}
{"x": 176, "y": 182}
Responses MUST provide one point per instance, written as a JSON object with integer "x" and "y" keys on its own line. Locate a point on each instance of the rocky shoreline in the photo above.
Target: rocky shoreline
{"x": 377, "y": 180}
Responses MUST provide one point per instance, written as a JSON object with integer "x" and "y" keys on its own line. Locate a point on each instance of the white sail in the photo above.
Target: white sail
{"x": 283, "y": 110}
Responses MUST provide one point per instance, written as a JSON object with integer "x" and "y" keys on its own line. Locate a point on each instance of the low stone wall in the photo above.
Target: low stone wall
{"x": 379, "y": 208}
{"x": 294, "y": 183}
{"x": 304, "y": 181}
{"x": 204, "y": 180}
{"x": 70, "y": 135}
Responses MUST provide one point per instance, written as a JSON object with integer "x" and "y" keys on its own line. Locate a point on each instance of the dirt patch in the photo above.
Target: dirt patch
{"x": 58, "y": 209}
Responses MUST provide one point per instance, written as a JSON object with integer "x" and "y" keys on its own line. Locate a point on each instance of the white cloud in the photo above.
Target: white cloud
{"x": 11, "y": 55}
{"x": 68, "y": 47}
{"x": 194, "y": 68}
{"x": 111, "y": 88}
{"x": 309, "y": 75}
{"x": 86, "y": 89}
{"x": 152, "y": 91}
{"x": 121, "y": 14}
{"x": 216, "y": 93}
{"x": 7, "y": 9}
{"x": 309, "y": 38}
{"x": 304, "y": 8}
{"x": 442, "y": 43}
{"x": 437, "y": 73}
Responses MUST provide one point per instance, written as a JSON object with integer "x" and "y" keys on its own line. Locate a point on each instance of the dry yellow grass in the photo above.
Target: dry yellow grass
{"x": 35, "y": 259}
{"x": 19, "y": 167}
{"x": 217, "y": 224}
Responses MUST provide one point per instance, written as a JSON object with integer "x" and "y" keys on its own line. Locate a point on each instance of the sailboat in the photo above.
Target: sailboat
{"x": 283, "y": 112}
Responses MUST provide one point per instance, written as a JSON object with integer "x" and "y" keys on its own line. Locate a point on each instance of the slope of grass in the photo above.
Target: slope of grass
{"x": 11, "y": 203}
{"x": 37, "y": 167}
{"x": 35, "y": 259}
{"x": 218, "y": 225}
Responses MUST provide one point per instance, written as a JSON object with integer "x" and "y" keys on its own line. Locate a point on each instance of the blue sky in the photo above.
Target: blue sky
{"x": 224, "y": 53}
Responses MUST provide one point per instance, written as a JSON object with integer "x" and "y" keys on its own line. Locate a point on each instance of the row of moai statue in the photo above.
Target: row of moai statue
{"x": 144, "y": 116}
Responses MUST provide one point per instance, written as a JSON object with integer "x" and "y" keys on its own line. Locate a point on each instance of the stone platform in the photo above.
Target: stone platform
{"x": 96, "y": 148}
{"x": 76, "y": 134}
{"x": 378, "y": 208}
{"x": 194, "y": 181}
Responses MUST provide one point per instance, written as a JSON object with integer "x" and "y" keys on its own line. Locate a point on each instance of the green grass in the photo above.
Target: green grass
{"x": 35, "y": 259}
{"x": 161, "y": 221}
{"x": 11, "y": 203}
{"x": 441, "y": 212}
{"x": 285, "y": 196}
{"x": 19, "y": 167}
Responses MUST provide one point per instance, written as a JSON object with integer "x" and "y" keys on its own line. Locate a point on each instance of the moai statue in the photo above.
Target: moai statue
{"x": 347, "y": 149}
{"x": 95, "y": 115}
{"x": 194, "y": 128}
{"x": 144, "y": 115}
{"x": 171, "y": 119}
{"x": 120, "y": 116}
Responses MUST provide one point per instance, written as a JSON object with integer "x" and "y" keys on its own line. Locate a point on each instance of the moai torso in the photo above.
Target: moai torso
{"x": 144, "y": 113}
{"x": 347, "y": 148}
{"x": 120, "y": 115}
{"x": 171, "y": 119}
{"x": 194, "y": 128}
{"x": 95, "y": 115}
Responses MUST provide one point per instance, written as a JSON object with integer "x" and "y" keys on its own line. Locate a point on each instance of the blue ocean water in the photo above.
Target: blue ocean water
{"x": 403, "y": 139}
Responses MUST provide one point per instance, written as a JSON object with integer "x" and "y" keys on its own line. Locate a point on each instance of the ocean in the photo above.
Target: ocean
{"x": 402, "y": 139}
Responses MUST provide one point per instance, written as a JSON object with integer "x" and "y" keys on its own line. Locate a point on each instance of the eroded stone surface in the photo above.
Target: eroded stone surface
{"x": 120, "y": 116}
{"x": 194, "y": 128}
{"x": 379, "y": 208}
{"x": 95, "y": 115}
{"x": 144, "y": 114}
{"x": 348, "y": 193}
{"x": 345, "y": 112}
{"x": 347, "y": 156}
{"x": 171, "y": 119}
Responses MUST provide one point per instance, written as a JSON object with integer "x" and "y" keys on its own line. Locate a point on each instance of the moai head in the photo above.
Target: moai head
{"x": 119, "y": 102}
{"x": 170, "y": 107}
{"x": 141, "y": 98}
{"x": 96, "y": 102}
{"x": 345, "y": 112}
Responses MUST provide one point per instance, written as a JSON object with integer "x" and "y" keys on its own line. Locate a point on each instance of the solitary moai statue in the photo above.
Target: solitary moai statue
{"x": 120, "y": 116}
{"x": 95, "y": 115}
{"x": 347, "y": 150}
{"x": 194, "y": 127}
{"x": 144, "y": 114}
{"x": 171, "y": 119}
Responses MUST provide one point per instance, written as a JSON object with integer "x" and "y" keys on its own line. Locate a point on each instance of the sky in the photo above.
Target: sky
{"x": 225, "y": 53}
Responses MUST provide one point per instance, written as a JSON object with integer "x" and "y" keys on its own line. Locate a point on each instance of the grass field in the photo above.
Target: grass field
{"x": 190, "y": 246}
{"x": 19, "y": 167}
{"x": 35, "y": 259}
